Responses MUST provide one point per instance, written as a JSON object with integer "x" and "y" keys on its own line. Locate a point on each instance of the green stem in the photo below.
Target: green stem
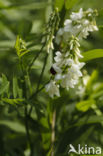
{"x": 42, "y": 72}
{"x": 38, "y": 91}
{"x": 27, "y": 131}
{"x": 26, "y": 111}
{"x": 34, "y": 59}
{"x": 53, "y": 133}
{"x": 62, "y": 17}
{"x": 40, "y": 79}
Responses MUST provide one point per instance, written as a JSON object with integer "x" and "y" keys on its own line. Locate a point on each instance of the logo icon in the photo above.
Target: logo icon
{"x": 72, "y": 149}
{"x": 84, "y": 150}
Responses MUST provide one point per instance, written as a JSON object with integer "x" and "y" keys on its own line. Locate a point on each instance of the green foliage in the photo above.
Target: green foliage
{"x": 15, "y": 87}
{"x": 92, "y": 54}
{"x": 27, "y": 114}
{"x": 70, "y": 3}
{"x": 13, "y": 101}
{"x": 4, "y": 85}
{"x": 14, "y": 126}
{"x": 20, "y": 47}
{"x": 59, "y": 4}
{"x": 85, "y": 105}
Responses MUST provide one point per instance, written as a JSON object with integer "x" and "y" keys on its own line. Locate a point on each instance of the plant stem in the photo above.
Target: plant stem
{"x": 26, "y": 111}
{"x": 42, "y": 72}
{"x": 40, "y": 79}
{"x": 38, "y": 91}
{"x": 27, "y": 131}
{"x": 53, "y": 133}
{"x": 30, "y": 65}
{"x": 62, "y": 15}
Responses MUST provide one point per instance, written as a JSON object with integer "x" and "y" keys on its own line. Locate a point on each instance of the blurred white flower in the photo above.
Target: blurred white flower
{"x": 79, "y": 25}
{"x": 87, "y": 27}
{"x": 59, "y": 61}
{"x": 68, "y": 25}
{"x": 67, "y": 82}
{"x": 69, "y": 62}
{"x": 50, "y": 45}
{"x": 74, "y": 71}
{"x": 57, "y": 68}
{"x": 70, "y": 79}
{"x": 52, "y": 89}
{"x": 77, "y": 16}
{"x": 58, "y": 77}
{"x": 67, "y": 67}
{"x": 58, "y": 58}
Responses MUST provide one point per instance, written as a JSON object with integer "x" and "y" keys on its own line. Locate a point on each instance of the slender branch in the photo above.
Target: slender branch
{"x": 27, "y": 131}
{"x": 62, "y": 17}
{"x": 42, "y": 72}
{"x": 40, "y": 79}
{"x": 30, "y": 65}
{"x": 38, "y": 91}
{"x": 53, "y": 133}
{"x": 26, "y": 111}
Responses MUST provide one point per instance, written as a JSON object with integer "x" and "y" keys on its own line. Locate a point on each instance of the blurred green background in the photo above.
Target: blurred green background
{"x": 28, "y": 18}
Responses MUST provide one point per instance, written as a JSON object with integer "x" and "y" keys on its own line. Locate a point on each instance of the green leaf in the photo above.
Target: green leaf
{"x": 91, "y": 81}
{"x": 20, "y": 47}
{"x": 85, "y": 105}
{"x": 89, "y": 120}
{"x": 13, "y": 101}
{"x": 17, "y": 92}
{"x": 59, "y": 4}
{"x": 92, "y": 54}
{"x": 96, "y": 110}
{"x": 4, "y": 85}
{"x": 70, "y": 3}
{"x": 15, "y": 87}
{"x": 15, "y": 126}
{"x": 97, "y": 94}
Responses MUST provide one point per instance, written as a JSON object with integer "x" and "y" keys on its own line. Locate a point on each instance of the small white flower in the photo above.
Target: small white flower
{"x": 70, "y": 79}
{"x": 68, "y": 25}
{"x": 58, "y": 77}
{"x": 90, "y": 12}
{"x": 52, "y": 89}
{"x": 67, "y": 82}
{"x": 50, "y": 45}
{"x": 78, "y": 53}
{"x": 58, "y": 57}
{"x": 57, "y": 68}
{"x": 85, "y": 22}
{"x": 75, "y": 71}
{"x": 67, "y": 22}
{"x": 93, "y": 27}
{"x": 69, "y": 62}
{"x": 77, "y": 16}
{"x": 81, "y": 64}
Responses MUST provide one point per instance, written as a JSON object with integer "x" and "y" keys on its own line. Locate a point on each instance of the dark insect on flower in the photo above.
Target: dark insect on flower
{"x": 53, "y": 72}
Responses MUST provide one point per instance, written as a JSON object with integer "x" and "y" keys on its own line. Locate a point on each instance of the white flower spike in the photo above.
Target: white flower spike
{"x": 66, "y": 69}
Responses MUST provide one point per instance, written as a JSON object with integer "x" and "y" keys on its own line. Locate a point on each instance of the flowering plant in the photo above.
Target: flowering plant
{"x": 66, "y": 70}
{"x": 51, "y": 92}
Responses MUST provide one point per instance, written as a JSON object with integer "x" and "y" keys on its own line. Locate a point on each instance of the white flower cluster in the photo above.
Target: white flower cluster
{"x": 79, "y": 25}
{"x": 66, "y": 69}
